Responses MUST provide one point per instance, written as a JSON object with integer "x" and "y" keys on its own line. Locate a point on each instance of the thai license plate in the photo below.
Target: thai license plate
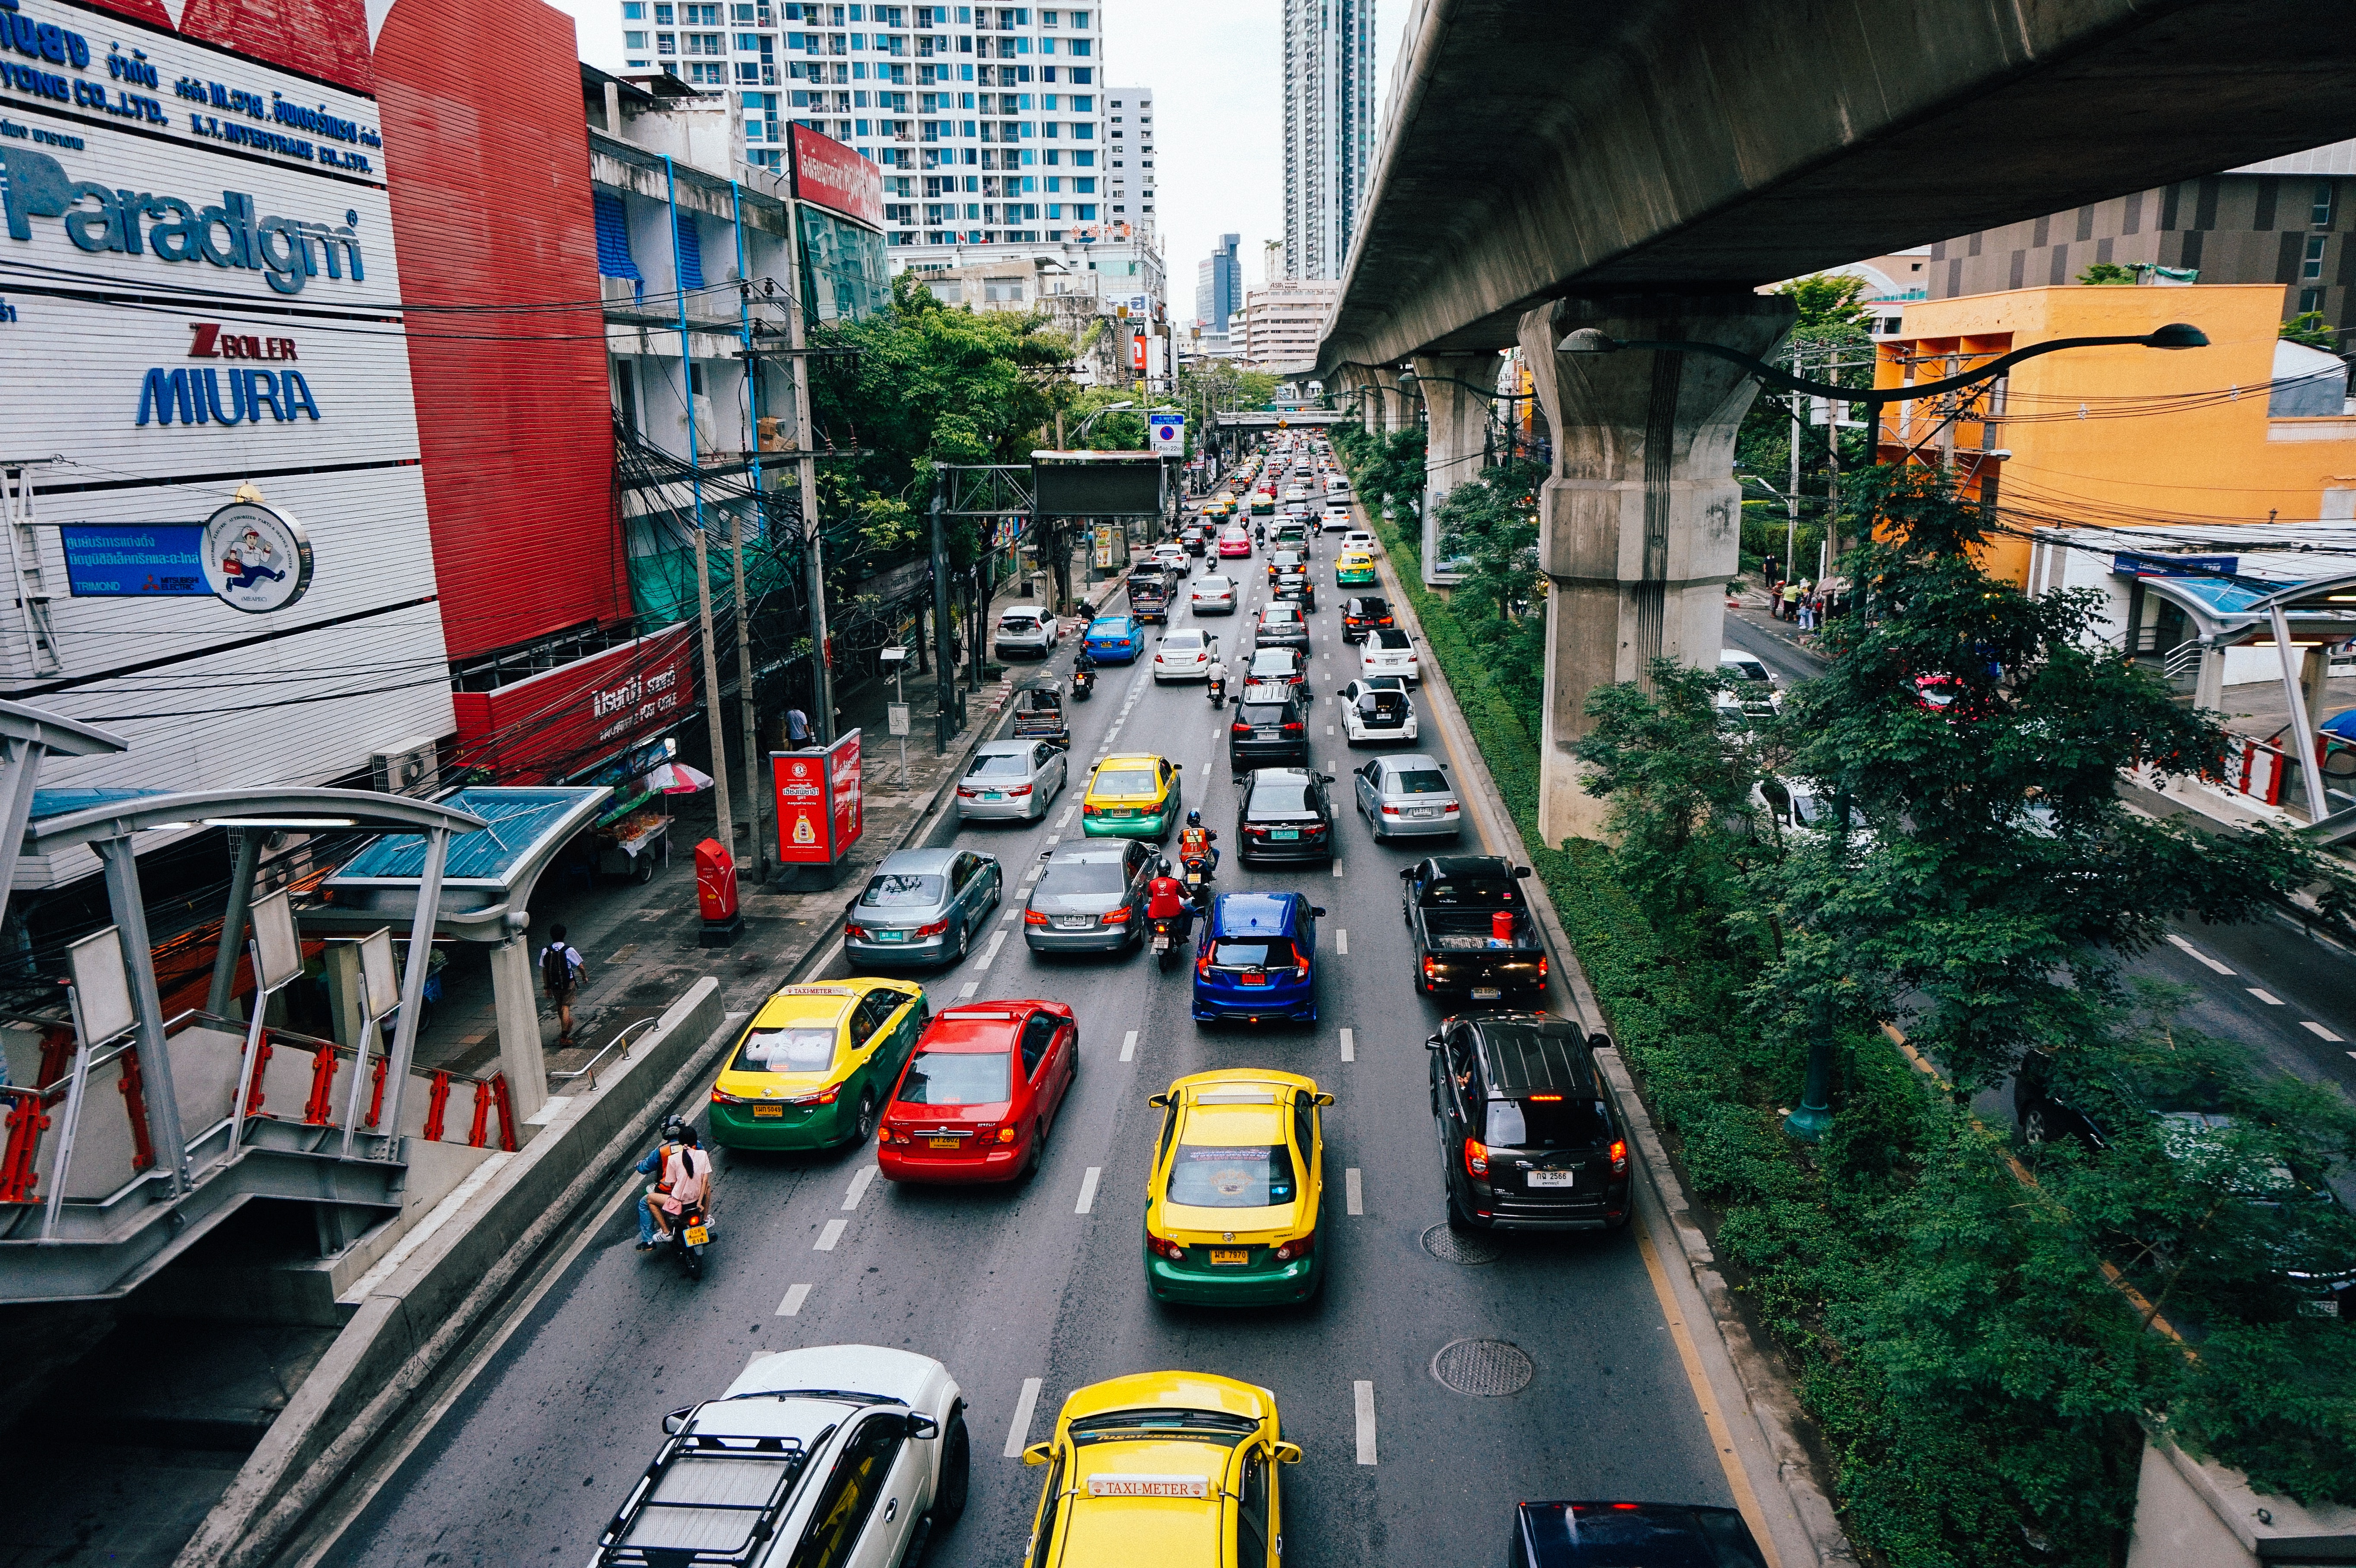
{"x": 992, "y": 794}
{"x": 1228, "y": 1255}
{"x": 697, "y": 1236}
{"x": 1073, "y": 923}
{"x": 1486, "y": 993}
{"x": 943, "y": 1143}
{"x": 1263, "y": 734}
{"x": 1424, "y": 811}
{"x": 768, "y": 1113}
{"x": 1284, "y": 833}
{"x": 891, "y": 936}
{"x": 1255, "y": 979}
{"x": 1551, "y": 1177}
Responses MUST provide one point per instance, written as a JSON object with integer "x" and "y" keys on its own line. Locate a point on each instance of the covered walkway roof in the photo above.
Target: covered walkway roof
{"x": 492, "y": 870}
{"x": 2234, "y": 608}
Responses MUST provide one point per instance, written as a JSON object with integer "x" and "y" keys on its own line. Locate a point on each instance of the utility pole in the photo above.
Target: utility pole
{"x": 944, "y": 675}
{"x": 1792, "y": 494}
{"x": 748, "y": 720}
{"x": 727, "y": 827}
{"x": 813, "y": 543}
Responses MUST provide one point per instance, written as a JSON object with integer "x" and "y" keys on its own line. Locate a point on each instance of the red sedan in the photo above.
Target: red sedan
{"x": 976, "y": 1100}
{"x": 1234, "y": 540}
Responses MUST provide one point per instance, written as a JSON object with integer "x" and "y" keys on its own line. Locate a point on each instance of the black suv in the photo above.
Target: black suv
{"x": 1531, "y": 1136}
{"x": 1293, "y": 587}
{"x": 1285, "y": 814}
{"x": 1363, "y": 615}
{"x": 1272, "y": 727}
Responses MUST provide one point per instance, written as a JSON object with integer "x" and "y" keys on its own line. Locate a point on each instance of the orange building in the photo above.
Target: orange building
{"x": 2247, "y": 430}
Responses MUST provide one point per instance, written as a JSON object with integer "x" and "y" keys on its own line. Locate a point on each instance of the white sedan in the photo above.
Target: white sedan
{"x": 1185, "y": 655}
{"x": 1386, "y": 651}
{"x": 1359, "y": 538}
{"x": 1334, "y": 517}
{"x": 1215, "y": 594}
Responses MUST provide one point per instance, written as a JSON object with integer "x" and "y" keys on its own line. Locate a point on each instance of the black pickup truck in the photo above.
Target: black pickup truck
{"x": 1452, "y": 903}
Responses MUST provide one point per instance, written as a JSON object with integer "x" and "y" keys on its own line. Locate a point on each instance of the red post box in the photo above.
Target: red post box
{"x": 715, "y": 894}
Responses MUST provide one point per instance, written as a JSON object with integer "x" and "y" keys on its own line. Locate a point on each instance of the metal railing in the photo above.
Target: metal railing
{"x": 2182, "y": 659}
{"x": 589, "y": 1070}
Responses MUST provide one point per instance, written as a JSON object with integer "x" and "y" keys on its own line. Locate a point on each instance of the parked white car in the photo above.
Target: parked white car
{"x": 1213, "y": 595}
{"x": 1185, "y": 655}
{"x": 1388, "y": 651}
{"x": 1757, "y": 684}
{"x": 791, "y": 1452}
{"x": 1027, "y": 629}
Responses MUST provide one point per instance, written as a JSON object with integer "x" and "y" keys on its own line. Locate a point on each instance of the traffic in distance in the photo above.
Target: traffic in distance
{"x": 1237, "y": 860}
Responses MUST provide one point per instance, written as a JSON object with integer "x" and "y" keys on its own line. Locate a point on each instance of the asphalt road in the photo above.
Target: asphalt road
{"x": 1039, "y": 1281}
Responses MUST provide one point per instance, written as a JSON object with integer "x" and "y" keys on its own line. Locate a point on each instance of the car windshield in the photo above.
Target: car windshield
{"x": 1369, "y": 607}
{"x": 1224, "y": 1176}
{"x": 1000, "y": 766}
{"x": 957, "y": 1077}
{"x": 1018, "y": 623}
{"x": 902, "y": 889}
{"x": 1275, "y": 613}
{"x": 1108, "y": 629}
{"x": 803, "y": 1048}
{"x": 1082, "y": 879}
{"x": 1386, "y": 637}
{"x": 1280, "y": 797}
{"x": 1254, "y": 953}
{"x": 1125, "y": 781}
{"x": 1115, "y": 1425}
{"x": 1419, "y": 781}
{"x": 1273, "y": 661}
{"x": 1213, "y": 585}
{"x": 1186, "y": 642}
{"x": 1472, "y": 889}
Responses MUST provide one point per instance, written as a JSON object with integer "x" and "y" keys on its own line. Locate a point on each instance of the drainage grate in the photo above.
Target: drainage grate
{"x": 1452, "y": 1246}
{"x": 1484, "y": 1367}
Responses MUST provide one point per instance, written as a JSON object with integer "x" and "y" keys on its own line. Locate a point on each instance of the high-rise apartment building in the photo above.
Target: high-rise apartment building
{"x": 1128, "y": 142}
{"x": 1329, "y": 130}
{"x": 988, "y": 122}
{"x": 1219, "y": 285}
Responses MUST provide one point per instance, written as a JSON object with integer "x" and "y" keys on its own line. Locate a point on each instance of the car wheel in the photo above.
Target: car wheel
{"x": 864, "y": 1128}
{"x": 956, "y": 1478}
{"x": 957, "y": 951}
{"x": 2034, "y": 1127}
{"x": 1459, "y": 1218}
{"x": 1038, "y": 1151}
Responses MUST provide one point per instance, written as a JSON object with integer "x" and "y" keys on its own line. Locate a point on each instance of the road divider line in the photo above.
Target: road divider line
{"x": 1009, "y": 917}
{"x": 1018, "y": 1431}
{"x": 2320, "y": 1031}
{"x": 1087, "y": 1189}
{"x": 1129, "y": 1046}
{"x": 1362, "y": 1394}
{"x": 2266, "y": 997}
{"x": 1054, "y": 840}
{"x": 2177, "y": 942}
{"x": 859, "y": 1185}
{"x": 831, "y": 1234}
{"x": 791, "y": 1306}
{"x": 966, "y": 992}
{"x": 1354, "y": 1190}
{"x": 990, "y": 952}
{"x": 1340, "y": 940}
{"x": 1349, "y": 1046}
{"x": 1337, "y": 868}
{"x": 1065, "y": 820}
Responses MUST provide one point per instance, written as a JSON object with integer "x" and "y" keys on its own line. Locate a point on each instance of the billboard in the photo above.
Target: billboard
{"x": 827, "y": 174}
{"x": 819, "y": 808}
{"x": 544, "y": 729}
{"x": 1117, "y": 489}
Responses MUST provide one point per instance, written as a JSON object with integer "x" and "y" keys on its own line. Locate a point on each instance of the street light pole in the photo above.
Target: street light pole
{"x": 943, "y": 677}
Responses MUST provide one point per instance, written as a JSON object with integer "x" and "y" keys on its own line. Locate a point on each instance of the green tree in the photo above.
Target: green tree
{"x": 1674, "y": 783}
{"x": 1827, "y": 300}
{"x": 1829, "y": 342}
{"x": 1490, "y": 525}
{"x": 2106, "y": 273}
{"x": 2310, "y": 328}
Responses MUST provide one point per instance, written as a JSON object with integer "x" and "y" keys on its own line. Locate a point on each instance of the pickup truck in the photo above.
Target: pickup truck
{"x": 1452, "y": 904}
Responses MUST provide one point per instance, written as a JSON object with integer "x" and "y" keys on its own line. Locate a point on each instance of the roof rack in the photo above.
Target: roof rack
{"x": 707, "y": 1501}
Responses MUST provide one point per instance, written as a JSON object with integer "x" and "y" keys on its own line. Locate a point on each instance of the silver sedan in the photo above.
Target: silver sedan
{"x": 1408, "y": 797}
{"x": 1215, "y": 593}
{"x": 922, "y": 906}
{"x": 1012, "y": 779}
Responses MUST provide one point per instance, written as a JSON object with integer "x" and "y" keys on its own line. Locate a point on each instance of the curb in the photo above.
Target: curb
{"x": 1747, "y": 1378}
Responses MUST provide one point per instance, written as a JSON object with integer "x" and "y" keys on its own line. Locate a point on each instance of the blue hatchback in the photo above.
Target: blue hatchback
{"x": 1256, "y": 959}
{"x": 1116, "y": 639}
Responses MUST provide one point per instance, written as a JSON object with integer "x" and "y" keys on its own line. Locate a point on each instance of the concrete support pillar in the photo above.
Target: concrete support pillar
{"x": 514, "y": 1003}
{"x": 1457, "y": 426}
{"x": 1393, "y": 411}
{"x": 1641, "y": 525}
{"x": 2208, "y": 685}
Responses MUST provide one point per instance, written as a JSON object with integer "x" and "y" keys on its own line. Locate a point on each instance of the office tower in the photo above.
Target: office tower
{"x": 1218, "y": 285}
{"x": 1329, "y": 130}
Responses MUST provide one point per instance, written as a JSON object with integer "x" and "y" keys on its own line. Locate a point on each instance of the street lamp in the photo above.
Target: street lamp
{"x": 1109, "y": 407}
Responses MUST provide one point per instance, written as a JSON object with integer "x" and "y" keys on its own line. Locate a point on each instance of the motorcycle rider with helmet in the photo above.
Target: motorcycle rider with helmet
{"x": 1195, "y": 842}
{"x": 683, "y": 1172}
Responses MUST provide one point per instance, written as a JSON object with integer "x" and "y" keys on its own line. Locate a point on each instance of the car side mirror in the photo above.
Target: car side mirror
{"x": 1324, "y": 1099}
{"x": 1036, "y": 1453}
{"x": 1159, "y": 1102}
{"x": 1318, "y": 910}
{"x": 1432, "y": 1042}
{"x": 923, "y": 1426}
{"x": 1045, "y": 853}
{"x": 676, "y": 1422}
{"x": 1288, "y": 1453}
{"x": 1406, "y": 871}
{"x": 1325, "y": 778}
{"x": 1521, "y": 870}
{"x": 1598, "y": 1041}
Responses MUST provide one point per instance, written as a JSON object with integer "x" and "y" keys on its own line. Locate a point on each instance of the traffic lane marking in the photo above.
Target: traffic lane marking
{"x": 1018, "y": 1431}
{"x": 859, "y": 1185}
{"x": 1349, "y": 1046}
{"x": 2319, "y": 1030}
{"x": 1129, "y": 1046}
{"x": 831, "y": 1234}
{"x": 1362, "y": 1396}
{"x": 2180, "y": 945}
{"x": 2268, "y": 997}
{"x": 1340, "y": 940}
{"x": 791, "y": 1305}
{"x": 1088, "y": 1190}
{"x": 990, "y": 952}
{"x": 1354, "y": 1191}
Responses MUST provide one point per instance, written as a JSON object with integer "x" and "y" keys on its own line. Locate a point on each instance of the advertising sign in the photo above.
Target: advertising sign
{"x": 2176, "y": 565}
{"x": 1137, "y": 354}
{"x": 1166, "y": 434}
{"x": 134, "y": 560}
{"x": 818, "y": 805}
{"x": 827, "y": 174}
{"x": 561, "y": 721}
{"x": 257, "y": 558}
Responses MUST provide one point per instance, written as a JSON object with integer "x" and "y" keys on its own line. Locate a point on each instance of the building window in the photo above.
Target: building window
{"x": 634, "y": 40}
{"x": 666, "y": 43}
{"x": 2310, "y": 300}
{"x": 2320, "y": 215}
{"x": 699, "y": 15}
{"x": 2311, "y": 266}
{"x": 634, "y": 10}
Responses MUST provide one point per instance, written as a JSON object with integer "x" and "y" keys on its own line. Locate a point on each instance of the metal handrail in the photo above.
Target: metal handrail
{"x": 589, "y": 1069}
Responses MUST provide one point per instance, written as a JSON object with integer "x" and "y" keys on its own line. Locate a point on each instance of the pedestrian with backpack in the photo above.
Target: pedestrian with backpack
{"x": 561, "y": 971}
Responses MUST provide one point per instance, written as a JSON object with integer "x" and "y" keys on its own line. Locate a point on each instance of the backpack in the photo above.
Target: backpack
{"x": 555, "y": 968}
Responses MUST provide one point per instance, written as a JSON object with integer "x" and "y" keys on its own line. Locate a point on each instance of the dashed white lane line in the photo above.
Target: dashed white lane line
{"x": 1129, "y": 1046}
{"x": 831, "y": 1234}
{"x": 791, "y": 1305}
{"x": 1349, "y": 1046}
{"x": 2266, "y": 997}
{"x": 1009, "y": 917}
{"x": 1337, "y": 868}
{"x": 1362, "y": 1394}
{"x": 1054, "y": 840}
{"x": 1354, "y": 1190}
{"x": 2319, "y": 1030}
{"x": 964, "y": 993}
{"x": 859, "y": 1186}
{"x": 1340, "y": 940}
{"x": 990, "y": 952}
{"x": 1065, "y": 820}
{"x": 2177, "y": 942}
{"x": 1032, "y": 875}
{"x": 1087, "y": 1190}
{"x": 1018, "y": 1431}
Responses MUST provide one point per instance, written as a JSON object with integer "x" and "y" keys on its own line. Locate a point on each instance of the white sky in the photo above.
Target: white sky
{"x": 1214, "y": 68}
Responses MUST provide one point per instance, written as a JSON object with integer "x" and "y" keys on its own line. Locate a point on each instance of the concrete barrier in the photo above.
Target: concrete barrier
{"x": 428, "y": 1295}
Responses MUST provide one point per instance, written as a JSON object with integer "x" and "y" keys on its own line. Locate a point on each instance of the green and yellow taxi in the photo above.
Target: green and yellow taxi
{"x": 1132, "y": 795}
{"x": 1236, "y": 1183}
{"x": 1162, "y": 1470}
{"x": 1353, "y": 568}
{"x": 815, "y": 1065}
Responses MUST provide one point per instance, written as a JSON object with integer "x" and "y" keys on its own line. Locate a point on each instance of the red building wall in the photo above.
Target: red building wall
{"x": 485, "y": 135}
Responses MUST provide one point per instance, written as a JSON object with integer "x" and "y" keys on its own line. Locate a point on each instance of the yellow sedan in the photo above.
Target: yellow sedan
{"x": 1132, "y": 795}
{"x": 1162, "y": 1470}
{"x": 815, "y": 1066}
{"x": 1238, "y": 1180}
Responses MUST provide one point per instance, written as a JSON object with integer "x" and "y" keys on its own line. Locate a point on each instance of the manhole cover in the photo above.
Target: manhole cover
{"x": 1484, "y": 1367}
{"x": 1456, "y": 1247}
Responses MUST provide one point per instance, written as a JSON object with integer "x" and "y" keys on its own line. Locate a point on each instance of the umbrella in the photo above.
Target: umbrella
{"x": 677, "y": 778}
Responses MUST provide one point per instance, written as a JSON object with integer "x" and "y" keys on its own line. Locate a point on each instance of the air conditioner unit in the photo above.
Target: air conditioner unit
{"x": 410, "y": 767}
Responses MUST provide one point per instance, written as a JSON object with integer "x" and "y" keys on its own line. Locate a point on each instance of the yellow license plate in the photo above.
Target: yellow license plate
{"x": 762, "y": 1112}
{"x": 697, "y": 1236}
{"x": 943, "y": 1143}
{"x": 1231, "y": 1254}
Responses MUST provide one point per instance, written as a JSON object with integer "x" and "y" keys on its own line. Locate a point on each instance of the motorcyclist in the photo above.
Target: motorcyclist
{"x": 1084, "y": 668}
{"x": 1259, "y": 533}
{"x": 682, "y": 1172}
{"x": 1217, "y": 688}
{"x": 1196, "y": 842}
{"x": 1166, "y": 899}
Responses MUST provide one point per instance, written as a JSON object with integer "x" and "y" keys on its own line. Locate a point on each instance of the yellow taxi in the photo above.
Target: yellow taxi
{"x": 1235, "y": 1191}
{"x": 1354, "y": 568}
{"x": 815, "y": 1066}
{"x": 1222, "y": 505}
{"x": 1132, "y": 795}
{"x": 1162, "y": 1470}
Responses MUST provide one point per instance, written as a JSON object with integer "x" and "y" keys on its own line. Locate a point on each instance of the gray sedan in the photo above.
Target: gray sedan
{"x": 1012, "y": 779}
{"x": 922, "y": 906}
{"x": 1091, "y": 897}
{"x": 1408, "y": 797}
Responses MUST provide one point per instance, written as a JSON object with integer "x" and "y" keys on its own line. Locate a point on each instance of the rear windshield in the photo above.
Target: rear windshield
{"x": 1534, "y": 1122}
{"x": 1260, "y": 712}
{"x": 1108, "y": 629}
{"x": 1182, "y": 640}
{"x": 1273, "y": 796}
{"x": 1370, "y": 607}
{"x": 1472, "y": 889}
{"x": 1066, "y": 877}
{"x": 1125, "y": 781}
{"x": 1250, "y": 1175}
{"x": 790, "y": 1050}
{"x": 1002, "y": 765}
{"x": 957, "y": 1077}
{"x": 1273, "y": 661}
{"x": 1254, "y": 953}
{"x": 1419, "y": 781}
{"x": 1383, "y": 702}
{"x": 897, "y": 889}
{"x": 1387, "y": 638}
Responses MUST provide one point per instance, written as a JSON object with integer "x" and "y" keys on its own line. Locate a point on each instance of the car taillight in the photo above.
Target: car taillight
{"x": 1448, "y": 810}
{"x": 965, "y": 794}
{"x": 1025, "y": 789}
{"x": 1294, "y": 728}
{"x": 718, "y": 1098}
{"x": 1296, "y": 1248}
{"x": 1256, "y": 829}
{"x": 1619, "y": 1157}
{"x": 1389, "y": 810}
{"x": 1431, "y": 968}
{"x": 1542, "y": 966}
{"x": 1162, "y": 1246}
{"x": 1005, "y": 1134}
{"x": 1033, "y": 917}
{"x": 1121, "y": 916}
{"x": 1240, "y": 727}
{"x": 935, "y": 929}
{"x": 1203, "y": 965}
{"x": 1476, "y": 1157}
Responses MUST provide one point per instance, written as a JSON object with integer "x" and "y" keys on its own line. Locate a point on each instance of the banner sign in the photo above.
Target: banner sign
{"x": 134, "y": 560}
{"x": 2174, "y": 565}
{"x": 561, "y": 723}
{"x": 819, "y": 803}
{"x": 827, "y": 174}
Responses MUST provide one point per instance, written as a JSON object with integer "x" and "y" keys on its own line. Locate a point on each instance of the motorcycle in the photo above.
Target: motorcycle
{"x": 1197, "y": 870}
{"x": 690, "y": 1234}
{"x": 1165, "y": 942}
{"x": 1084, "y": 685}
{"x": 1219, "y": 691}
